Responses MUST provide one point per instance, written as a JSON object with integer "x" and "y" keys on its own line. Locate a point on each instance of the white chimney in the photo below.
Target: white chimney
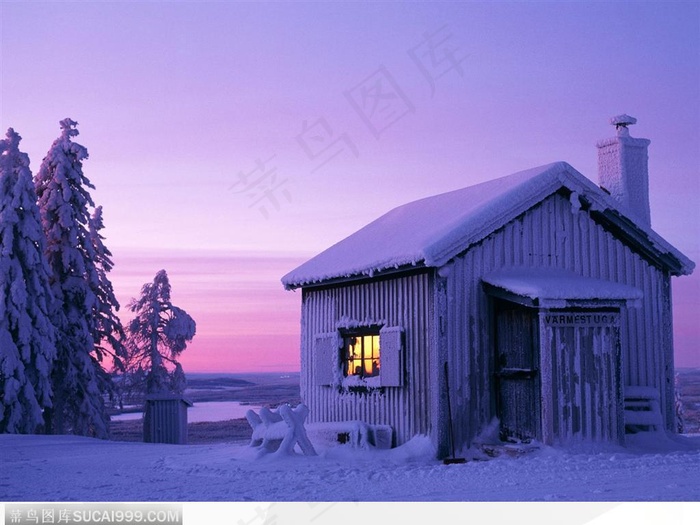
{"x": 623, "y": 169}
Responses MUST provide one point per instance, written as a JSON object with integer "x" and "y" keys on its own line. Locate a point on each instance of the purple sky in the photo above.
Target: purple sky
{"x": 179, "y": 102}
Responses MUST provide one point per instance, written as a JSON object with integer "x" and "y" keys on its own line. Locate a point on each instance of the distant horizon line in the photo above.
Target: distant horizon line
{"x": 223, "y": 252}
{"x": 242, "y": 373}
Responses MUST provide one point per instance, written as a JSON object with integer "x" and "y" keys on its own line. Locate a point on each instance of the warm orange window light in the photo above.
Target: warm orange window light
{"x": 362, "y": 353}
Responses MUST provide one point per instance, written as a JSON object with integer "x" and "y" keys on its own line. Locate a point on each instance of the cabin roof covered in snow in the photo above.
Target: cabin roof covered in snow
{"x": 433, "y": 230}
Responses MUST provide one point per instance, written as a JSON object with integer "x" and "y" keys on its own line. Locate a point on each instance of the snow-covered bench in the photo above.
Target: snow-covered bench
{"x": 357, "y": 434}
{"x": 280, "y": 430}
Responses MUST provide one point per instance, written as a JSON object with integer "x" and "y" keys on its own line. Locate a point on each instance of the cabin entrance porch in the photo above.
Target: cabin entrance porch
{"x": 557, "y": 355}
{"x": 557, "y": 374}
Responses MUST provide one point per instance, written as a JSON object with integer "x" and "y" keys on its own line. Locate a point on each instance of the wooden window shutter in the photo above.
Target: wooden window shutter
{"x": 325, "y": 358}
{"x": 391, "y": 356}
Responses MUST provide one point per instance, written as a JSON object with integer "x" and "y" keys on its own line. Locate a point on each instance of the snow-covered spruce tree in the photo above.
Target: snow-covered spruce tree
{"x": 85, "y": 303}
{"x": 158, "y": 335}
{"x": 26, "y": 332}
{"x": 108, "y": 333}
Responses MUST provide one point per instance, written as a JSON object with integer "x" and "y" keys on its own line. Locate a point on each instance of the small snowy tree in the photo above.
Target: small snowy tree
{"x": 26, "y": 332}
{"x": 84, "y": 316}
{"x": 158, "y": 335}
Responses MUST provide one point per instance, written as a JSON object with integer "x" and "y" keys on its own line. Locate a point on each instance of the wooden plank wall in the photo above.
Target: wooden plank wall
{"x": 550, "y": 235}
{"x": 401, "y": 301}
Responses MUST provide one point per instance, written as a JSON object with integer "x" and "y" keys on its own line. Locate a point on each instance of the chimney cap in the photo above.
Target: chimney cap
{"x": 621, "y": 122}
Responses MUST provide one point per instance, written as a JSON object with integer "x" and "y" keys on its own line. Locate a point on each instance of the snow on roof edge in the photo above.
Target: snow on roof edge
{"x": 359, "y": 271}
{"x": 559, "y": 284}
{"x": 602, "y": 201}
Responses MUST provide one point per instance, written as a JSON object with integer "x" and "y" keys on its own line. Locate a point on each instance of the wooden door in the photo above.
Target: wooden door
{"x": 517, "y": 378}
{"x": 582, "y": 400}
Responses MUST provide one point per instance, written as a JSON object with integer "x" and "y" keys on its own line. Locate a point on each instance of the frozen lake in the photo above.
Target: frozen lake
{"x": 207, "y": 411}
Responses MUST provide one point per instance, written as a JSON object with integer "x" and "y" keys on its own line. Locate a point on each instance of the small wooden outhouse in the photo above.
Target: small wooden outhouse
{"x": 546, "y": 295}
{"x": 165, "y": 419}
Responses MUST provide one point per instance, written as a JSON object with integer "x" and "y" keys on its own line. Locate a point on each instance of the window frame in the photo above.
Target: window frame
{"x": 327, "y": 359}
{"x": 345, "y": 358}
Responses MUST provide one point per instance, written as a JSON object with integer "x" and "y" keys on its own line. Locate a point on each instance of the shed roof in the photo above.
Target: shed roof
{"x": 433, "y": 230}
{"x": 165, "y": 396}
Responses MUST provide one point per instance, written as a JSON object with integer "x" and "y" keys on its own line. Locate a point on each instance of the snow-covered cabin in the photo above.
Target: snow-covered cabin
{"x": 544, "y": 296}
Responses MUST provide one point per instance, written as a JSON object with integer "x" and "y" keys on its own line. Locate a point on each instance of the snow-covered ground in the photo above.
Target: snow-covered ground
{"x": 65, "y": 468}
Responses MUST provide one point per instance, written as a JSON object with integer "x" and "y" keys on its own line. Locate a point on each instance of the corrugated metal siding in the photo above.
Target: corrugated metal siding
{"x": 401, "y": 301}
{"x": 165, "y": 421}
{"x": 551, "y": 235}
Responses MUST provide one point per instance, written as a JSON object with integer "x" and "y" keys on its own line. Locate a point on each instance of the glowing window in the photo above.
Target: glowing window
{"x": 361, "y": 354}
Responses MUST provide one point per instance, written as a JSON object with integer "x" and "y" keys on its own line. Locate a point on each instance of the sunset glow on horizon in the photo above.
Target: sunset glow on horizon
{"x": 229, "y": 142}
{"x": 246, "y": 321}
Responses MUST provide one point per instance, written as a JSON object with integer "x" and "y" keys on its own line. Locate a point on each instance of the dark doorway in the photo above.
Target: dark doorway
{"x": 517, "y": 376}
